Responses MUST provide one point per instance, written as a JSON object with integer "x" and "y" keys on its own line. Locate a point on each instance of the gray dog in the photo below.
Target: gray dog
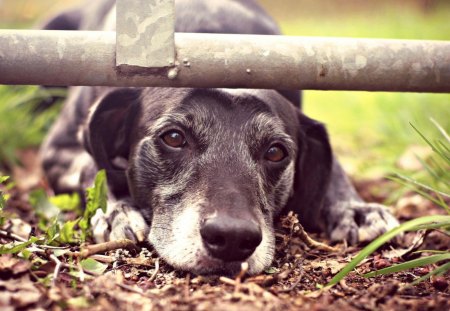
{"x": 202, "y": 174}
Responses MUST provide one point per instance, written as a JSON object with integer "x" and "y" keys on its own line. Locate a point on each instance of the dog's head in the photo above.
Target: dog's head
{"x": 211, "y": 169}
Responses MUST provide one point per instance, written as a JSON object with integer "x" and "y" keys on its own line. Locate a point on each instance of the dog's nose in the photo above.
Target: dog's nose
{"x": 230, "y": 239}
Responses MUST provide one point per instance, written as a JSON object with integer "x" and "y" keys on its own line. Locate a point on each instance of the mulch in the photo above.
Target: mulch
{"x": 140, "y": 280}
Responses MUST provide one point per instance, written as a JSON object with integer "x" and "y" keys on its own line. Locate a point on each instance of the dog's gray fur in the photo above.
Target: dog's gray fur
{"x": 165, "y": 195}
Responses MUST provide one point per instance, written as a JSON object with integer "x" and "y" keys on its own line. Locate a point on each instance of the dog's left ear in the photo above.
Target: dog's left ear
{"x": 313, "y": 171}
{"x": 107, "y": 134}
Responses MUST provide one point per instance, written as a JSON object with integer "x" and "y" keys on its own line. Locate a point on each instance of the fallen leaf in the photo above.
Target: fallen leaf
{"x": 334, "y": 265}
{"x": 11, "y": 266}
{"x": 18, "y": 293}
{"x": 93, "y": 266}
{"x": 19, "y": 227}
{"x": 413, "y": 241}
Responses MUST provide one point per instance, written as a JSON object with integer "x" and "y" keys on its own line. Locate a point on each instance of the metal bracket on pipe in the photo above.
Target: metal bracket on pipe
{"x": 145, "y": 33}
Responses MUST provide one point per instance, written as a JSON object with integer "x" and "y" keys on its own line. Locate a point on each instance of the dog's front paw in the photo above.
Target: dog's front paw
{"x": 356, "y": 221}
{"x": 121, "y": 221}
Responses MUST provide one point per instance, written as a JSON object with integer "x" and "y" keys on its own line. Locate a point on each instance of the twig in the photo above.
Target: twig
{"x": 346, "y": 288}
{"x": 13, "y": 236}
{"x": 103, "y": 258}
{"x": 313, "y": 243}
{"x": 80, "y": 269}
{"x": 244, "y": 269}
{"x": 227, "y": 281}
{"x": 293, "y": 286}
{"x": 53, "y": 247}
{"x": 139, "y": 261}
{"x": 237, "y": 282}
{"x": 107, "y": 246}
{"x": 130, "y": 288}
{"x": 153, "y": 277}
{"x": 57, "y": 268}
{"x": 186, "y": 288}
{"x": 251, "y": 287}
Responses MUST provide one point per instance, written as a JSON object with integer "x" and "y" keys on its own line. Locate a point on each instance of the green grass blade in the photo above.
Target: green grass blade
{"x": 419, "y": 191}
{"x": 17, "y": 248}
{"x": 434, "y": 172}
{"x": 432, "y": 251}
{"x": 440, "y": 270}
{"x": 441, "y": 129}
{"x": 429, "y": 260}
{"x": 439, "y": 225}
{"x": 373, "y": 246}
{"x": 444, "y": 150}
{"x": 433, "y": 146}
{"x": 421, "y": 185}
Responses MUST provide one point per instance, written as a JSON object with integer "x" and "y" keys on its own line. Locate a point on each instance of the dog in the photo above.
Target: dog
{"x": 203, "y": 174}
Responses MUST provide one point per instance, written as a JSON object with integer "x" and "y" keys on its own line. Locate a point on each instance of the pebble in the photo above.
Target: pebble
{"x": 440, "y": 283}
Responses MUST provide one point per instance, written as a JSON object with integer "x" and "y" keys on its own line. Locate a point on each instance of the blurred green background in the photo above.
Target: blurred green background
{"x": 370, "y": 131}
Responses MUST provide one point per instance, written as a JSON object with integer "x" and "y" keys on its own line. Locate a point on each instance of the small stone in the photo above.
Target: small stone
{"x": 439, "y": 282}
{"x": 422, "y": 270}
{"x": 381, "y": 263}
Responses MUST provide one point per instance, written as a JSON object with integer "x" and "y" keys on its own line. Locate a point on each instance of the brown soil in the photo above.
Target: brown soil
{"x": 139, "y": 280}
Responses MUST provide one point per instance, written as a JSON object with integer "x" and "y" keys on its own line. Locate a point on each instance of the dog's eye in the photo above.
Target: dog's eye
{"x": 174, "y": 139}
{"x": 275, "y": 153}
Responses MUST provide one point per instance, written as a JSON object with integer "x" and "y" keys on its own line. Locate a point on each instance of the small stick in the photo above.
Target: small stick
{"x": 293, "y": 286}
{"x": 346, "y": 288}
{"x": 244, "y": 269}
{"x": 153, "y": 277}
{"x": 103, "y": 258}
{"x": 227, "y": 281}
{"x": 139, "y": 261}
{"x": 13, "y": 236}
{"x": 186, "y": 288}
{"x": 57, "y": 268}
{"x": 313, "y": 243}
{"x": 107, "y": 246}
{"x": 80, "y": 269}
{"x": 130, "y": 288}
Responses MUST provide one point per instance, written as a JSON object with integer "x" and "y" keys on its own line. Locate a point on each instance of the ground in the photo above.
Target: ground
{"x": 135, "y": 278}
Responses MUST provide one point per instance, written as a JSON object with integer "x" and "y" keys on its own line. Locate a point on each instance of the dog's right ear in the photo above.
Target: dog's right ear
{"x": 313, "y": 171}
{"x": 107, "y": 134}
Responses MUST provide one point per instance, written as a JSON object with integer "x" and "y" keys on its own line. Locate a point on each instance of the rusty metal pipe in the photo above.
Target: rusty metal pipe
{"x": 236, "y": 61}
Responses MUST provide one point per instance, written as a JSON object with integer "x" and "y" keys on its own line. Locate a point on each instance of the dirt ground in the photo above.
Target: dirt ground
{"x": 137, "y": 279}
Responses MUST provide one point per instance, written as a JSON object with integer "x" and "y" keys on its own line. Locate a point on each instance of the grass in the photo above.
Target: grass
{"x": 412, "y": 225}
{"x": 370, "y": 131}
{"x": 438, "y": 171}
{"x": 21, "y": 124}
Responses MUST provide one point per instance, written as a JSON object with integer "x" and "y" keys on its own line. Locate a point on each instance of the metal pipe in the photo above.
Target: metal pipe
{"x": 245, "y": 61}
